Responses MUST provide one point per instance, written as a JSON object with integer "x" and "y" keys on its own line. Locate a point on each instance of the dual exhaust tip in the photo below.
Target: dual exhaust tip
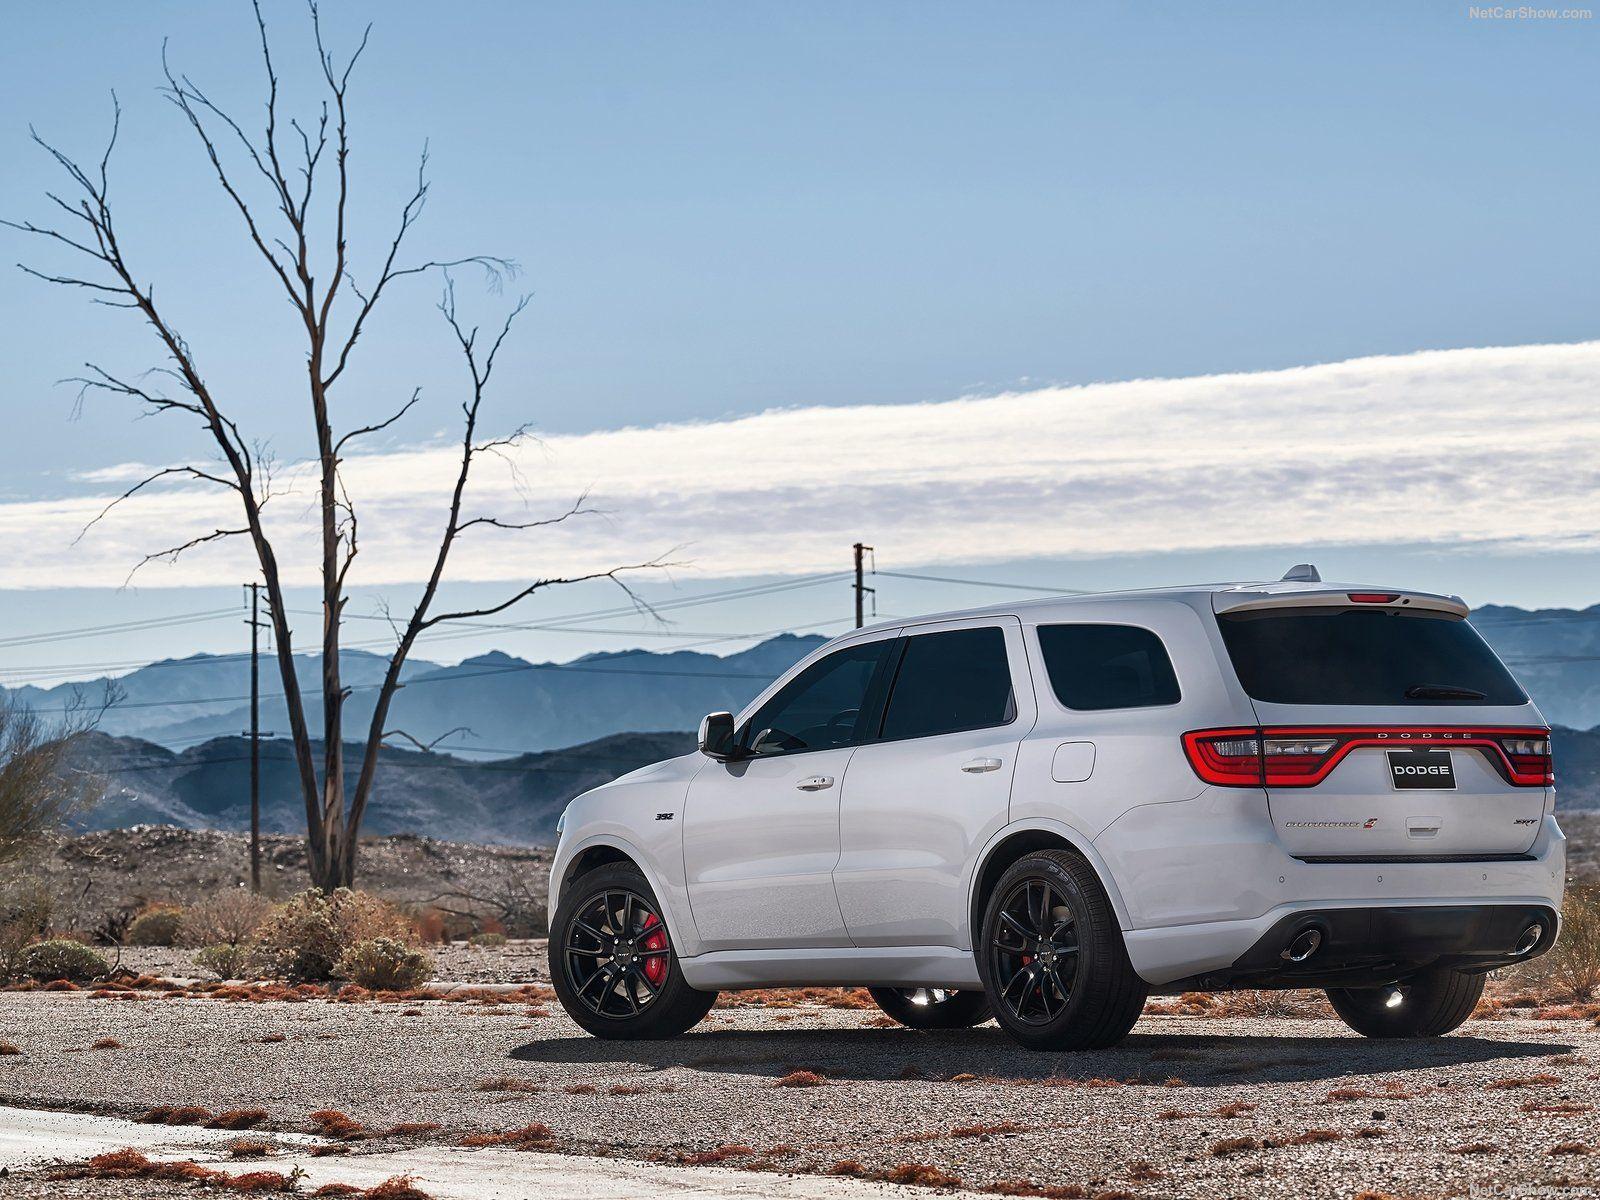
{"x": 1530, "y": 937}
{"x": 1309, "y": 940}
{"x": 1303, "y": 945}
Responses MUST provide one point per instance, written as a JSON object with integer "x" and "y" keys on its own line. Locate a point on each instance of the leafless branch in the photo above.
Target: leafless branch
{"x": 427, "y": 747}
{"x": 187, "y": 472}
{"x": 416, "y": 395}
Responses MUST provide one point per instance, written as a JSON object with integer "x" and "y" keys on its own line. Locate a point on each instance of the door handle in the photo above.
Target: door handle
{"x": 815, "y": 783}
{"x": 979, "y": 765}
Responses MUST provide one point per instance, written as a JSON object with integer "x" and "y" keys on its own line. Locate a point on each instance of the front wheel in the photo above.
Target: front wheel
{"x": 933, "y": 1008}
{"x": 1053, "y": 959}
{"x": 1428, "y": 1004}
{"x": 612, "y": 962}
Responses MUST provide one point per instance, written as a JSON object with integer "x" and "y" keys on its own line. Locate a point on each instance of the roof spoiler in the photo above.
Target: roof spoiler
{"x": 1275, "y": 595}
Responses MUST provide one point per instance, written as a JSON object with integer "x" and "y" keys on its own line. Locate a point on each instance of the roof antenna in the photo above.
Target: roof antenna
{"x": 1302, "y": 573}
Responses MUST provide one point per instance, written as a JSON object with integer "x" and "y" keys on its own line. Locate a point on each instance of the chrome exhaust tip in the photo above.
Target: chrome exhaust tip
{"x": 1531, "y": 937}
{"x": 1303, "y": 945}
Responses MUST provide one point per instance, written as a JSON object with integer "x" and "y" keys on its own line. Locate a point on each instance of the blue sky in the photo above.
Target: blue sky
{"x": 724, "y": 209}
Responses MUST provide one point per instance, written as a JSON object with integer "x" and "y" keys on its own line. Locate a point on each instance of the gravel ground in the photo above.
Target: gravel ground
{"x": 1152, "y": 1117}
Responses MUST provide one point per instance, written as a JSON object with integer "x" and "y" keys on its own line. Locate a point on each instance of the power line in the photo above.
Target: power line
{"x": 1021, "y": 587}
{"x": 61, "y": 635}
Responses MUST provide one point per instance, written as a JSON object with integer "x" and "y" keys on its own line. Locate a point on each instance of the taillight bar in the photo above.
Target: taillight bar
{"x": 1303, "y": 756}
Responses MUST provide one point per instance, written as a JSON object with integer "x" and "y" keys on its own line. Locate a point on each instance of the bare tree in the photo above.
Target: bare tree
{"x": 301, "y": 236}
{"x": 38, "y": 790}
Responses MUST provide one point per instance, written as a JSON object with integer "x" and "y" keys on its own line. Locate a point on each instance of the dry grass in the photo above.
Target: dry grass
{"x": 1026, "y": 1187}
{"x": 413, "y": 1129}
{"x": 718, "y": 1155}
{"x": 249, "y": 1148}
{"x": 238, "y": 1118}
{"x": 919, "y": 1175}
{"x": 530, "y": 1137}
{"x": 181, "y": 1115}
{"x": 1476, "y": 1148}
{"x": 801, "y": 1079}
{"x": 1312, "y": 1137}
{"x": 580, "y": 1089}
{"x": 1234, "y": 1108}
{"x": 1234, "y": 1145}
{"x": 1506, "y": 1085}
{"x": 105, "y": 1043}
{"x": 8, "y": 1048}
{"x": 1571, "y": 1148}
{"x": 334, "y": 1124}
{"x": 1345, "y": 1095}
{"x": 506, "y": 1083}
{"x": 1557, "y": 1108}
{"x": 986, "y": 1131}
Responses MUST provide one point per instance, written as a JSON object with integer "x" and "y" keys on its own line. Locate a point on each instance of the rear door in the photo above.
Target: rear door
{"x": 1388, "y": 730}
{"x": 932, "y": 782}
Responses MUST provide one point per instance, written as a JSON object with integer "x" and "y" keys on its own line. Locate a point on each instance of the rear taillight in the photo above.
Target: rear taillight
{"x": 1529, "y": 760}
{"x": 1372, "y": 597}
{"x": 1304, "y": 757}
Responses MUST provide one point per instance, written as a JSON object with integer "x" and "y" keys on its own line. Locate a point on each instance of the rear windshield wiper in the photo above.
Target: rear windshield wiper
{"x": 1442, "y": 691}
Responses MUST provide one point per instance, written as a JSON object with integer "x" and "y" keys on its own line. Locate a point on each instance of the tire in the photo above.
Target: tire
{"x": 933, "y": 1008}
{"x": 607, "y": 968}
{"x": 1432, "y": 1003}
{"x": 1034, "y": 997}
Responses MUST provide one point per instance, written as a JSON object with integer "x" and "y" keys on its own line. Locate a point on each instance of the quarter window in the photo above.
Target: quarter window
{"x": 1107, "y": 666}
{"x": 948, "y": 682}
{"x": 821, "y": 707}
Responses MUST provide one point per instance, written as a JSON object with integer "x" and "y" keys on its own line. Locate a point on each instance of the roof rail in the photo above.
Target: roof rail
{"x": 1302, "y": 573}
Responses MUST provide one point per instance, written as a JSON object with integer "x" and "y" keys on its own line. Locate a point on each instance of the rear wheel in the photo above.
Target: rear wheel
{"x": 933, "y": 1008}
{"x": 1428, "y": 1004}
{"x": 612, "y": 961}
{"x": 1053, "y": 960}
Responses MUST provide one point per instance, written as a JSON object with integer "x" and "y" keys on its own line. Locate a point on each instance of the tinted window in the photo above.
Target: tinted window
{"x": 1363, "y": 656}
{"x": 819, "y": 708}
{"x": 949, "y": 682}
{"x": 1107, "y": 666}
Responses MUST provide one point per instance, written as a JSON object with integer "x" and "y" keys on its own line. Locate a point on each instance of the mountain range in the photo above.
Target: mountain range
{"x": 510, "y": 706}
{"x": 507, "y": 706}
{"x": 510, "y": 801}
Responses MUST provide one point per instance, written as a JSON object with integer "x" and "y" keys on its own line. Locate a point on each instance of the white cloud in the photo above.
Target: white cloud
{"x": 1495, "y": 447}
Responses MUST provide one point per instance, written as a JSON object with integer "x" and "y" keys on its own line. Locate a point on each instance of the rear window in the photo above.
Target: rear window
{"x": 1107, "y": 666}
{"x": 1364, "y": 656}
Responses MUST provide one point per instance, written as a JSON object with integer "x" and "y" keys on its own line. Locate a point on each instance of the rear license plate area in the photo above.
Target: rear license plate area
{"x": 1421, "y": 770}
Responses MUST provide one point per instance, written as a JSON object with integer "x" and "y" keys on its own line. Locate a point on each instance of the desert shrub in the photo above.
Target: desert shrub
{"x": 61, "y": 958}
{"x": 1571, "y": 969}
{"x": 156, "y": 925}
{"x": 25, "y": 915}
{"x": 384, "y": 964}
{"x": 225, "y": 961}
{"x": 488, "y": 939}
{"x": 225, "y": 918}
{"x": 303, "y": 938}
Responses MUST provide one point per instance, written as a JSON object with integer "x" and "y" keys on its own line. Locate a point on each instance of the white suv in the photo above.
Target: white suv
{"x": 1045, "y": 811}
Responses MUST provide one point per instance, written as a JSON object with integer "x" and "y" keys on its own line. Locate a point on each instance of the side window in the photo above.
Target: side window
{"x": 1107, "y": 666}
{"x": 948, "y": 682}
{"x": 821, "y": 707}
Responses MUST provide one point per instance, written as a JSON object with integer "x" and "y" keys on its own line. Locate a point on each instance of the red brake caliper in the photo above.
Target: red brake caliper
{"x": 655, "y": 967}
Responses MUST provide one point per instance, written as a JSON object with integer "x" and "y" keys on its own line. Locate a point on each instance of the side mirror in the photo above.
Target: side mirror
{"x": 716, "y": 736}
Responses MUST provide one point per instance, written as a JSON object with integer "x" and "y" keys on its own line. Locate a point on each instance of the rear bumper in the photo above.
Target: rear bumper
{"x": 1369, "y": 947}
{"x": 1202, "y": 899}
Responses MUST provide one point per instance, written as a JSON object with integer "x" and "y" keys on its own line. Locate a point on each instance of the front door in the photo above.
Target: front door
{"x": 761, "y": 835}
{"x": 933, "y": 783}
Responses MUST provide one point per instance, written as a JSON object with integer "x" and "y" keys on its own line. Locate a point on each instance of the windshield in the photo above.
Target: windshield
{"x": 1364, "y": 656}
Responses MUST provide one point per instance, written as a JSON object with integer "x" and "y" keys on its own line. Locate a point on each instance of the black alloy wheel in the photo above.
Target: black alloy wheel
{"x": 612, "y": 960}
{"x": 1052, "y": 956}
{"x": 1035, "y": 952}
{"x": 617, "y": 950}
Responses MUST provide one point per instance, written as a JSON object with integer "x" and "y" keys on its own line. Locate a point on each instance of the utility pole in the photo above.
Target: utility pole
{"x": 255, "y": 736}
{"x": 861, "y": 588}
